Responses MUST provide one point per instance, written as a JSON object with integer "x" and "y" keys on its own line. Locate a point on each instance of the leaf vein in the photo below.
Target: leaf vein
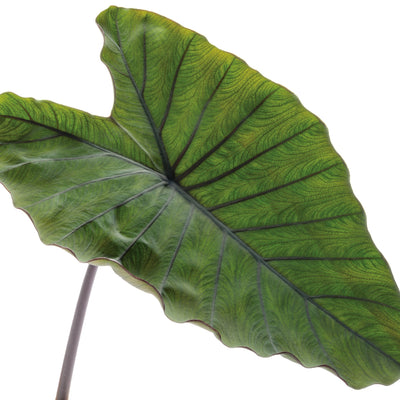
{"x": 301, "y": 258}
{"x": 264, "y": 313}
{"x": 200, "y": 118}
{"x": 225, "y": 139}
{"x": 171, "y": 264}
{"x": 252, "y": 196}
{"x": 172, "y": 90}
{"x": 379, "y": 303}
{"x": 291, "y": 285}
{"x": 147, "y": 227}
{"x": 250, "y": 160}
{"x": 42, "y": 160}
{"x": 156, "y": 132}
{"x": 144, "y": 57}
{"x": 83, "y": 141}
{"x": 132, "y": 137}
{"x": 132, "y": 198}
{"x": 30, "y": 141}
{"x": 85, "y": 184}
{"x": 217, "y": 276}
{"x": 283, "y": 225}
{"x": 318, "y": 339}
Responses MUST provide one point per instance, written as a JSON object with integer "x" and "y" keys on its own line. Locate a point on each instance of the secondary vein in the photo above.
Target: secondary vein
{"x": 171, "y": 264}
{"x": 148, "y": 226}
{"x": 225, "y": 139}
{"x": 252, "y": 196}
{"x": 134, "y": 197}
{"x": 217, "y": 276}
{"x": 200, "y": 118}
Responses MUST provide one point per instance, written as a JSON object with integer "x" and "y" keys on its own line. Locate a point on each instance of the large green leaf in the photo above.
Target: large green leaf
{"x": 214, "y": 188}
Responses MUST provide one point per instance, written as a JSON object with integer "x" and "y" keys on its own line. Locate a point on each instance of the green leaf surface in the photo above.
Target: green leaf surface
{"x": 214, "y": 188}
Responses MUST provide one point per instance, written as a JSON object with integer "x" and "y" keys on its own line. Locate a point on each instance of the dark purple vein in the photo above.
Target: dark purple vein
{"x": 148, "y": 226}
{"x": 311, "y": 221}
{"x": 199, "y": 120}
{"x": 251, "y": 159}
{"x": 379, "y": 303}
{"x": 144, "y": 57}
{"x": 27, "y": 112}
{"x": 217, "y": 275}
{"x": 225, "y": 139}
{"x": 172, "y": 90}
{"x": 157, "y": 136}
{"x": 264, "y": 313}
{"x": 132, "y": 198}
{"x": 252, "y": 196}
{"x": 171, "y": 264}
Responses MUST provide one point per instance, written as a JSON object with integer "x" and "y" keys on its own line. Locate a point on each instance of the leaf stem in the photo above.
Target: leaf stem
{"x": 75, "y": 333}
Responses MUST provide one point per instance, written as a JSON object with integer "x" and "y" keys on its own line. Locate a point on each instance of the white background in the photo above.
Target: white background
{"x": 342, "y": 60}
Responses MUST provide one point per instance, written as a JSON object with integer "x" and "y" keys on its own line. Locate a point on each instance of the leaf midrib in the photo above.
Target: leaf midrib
{"x": 264, "y": 263}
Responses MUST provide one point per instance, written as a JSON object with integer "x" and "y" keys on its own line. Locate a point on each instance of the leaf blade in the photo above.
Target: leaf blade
{"x": 259, "y": 193}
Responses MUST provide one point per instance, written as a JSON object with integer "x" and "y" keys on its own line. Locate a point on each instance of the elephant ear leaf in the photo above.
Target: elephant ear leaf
{"x": 217, "y": 190}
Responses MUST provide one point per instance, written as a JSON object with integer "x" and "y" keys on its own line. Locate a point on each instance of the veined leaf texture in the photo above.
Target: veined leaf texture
{"x": 216, "y": 189}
